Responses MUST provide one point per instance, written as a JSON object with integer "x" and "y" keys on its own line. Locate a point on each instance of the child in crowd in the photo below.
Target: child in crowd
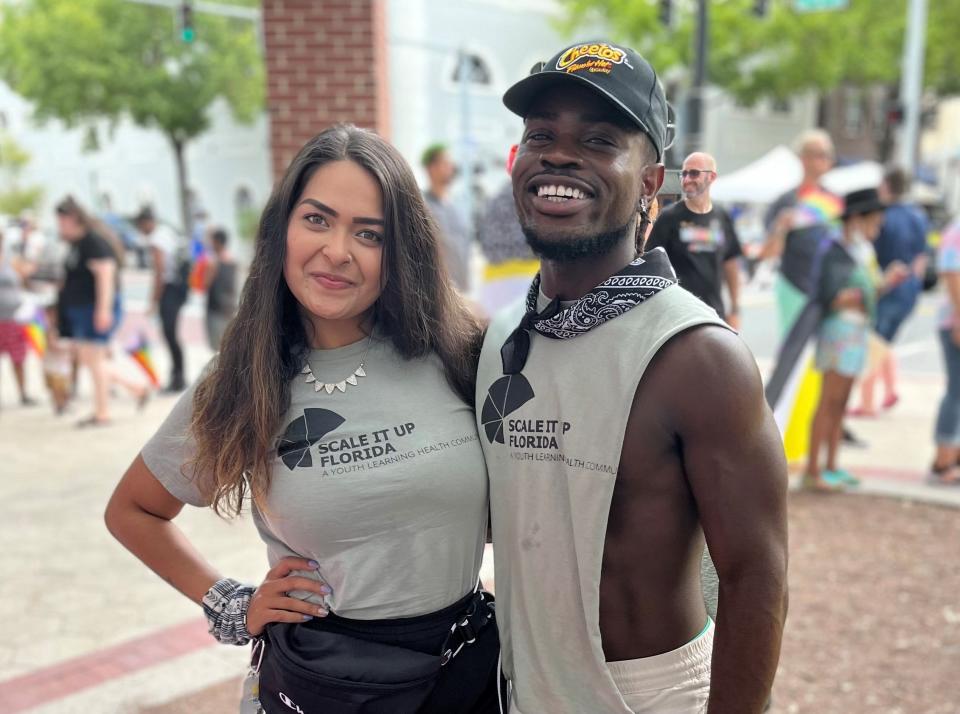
{"x": 57, "y": 363}
{"x": 13, "y": 340}
{"x": 847, "y": 287}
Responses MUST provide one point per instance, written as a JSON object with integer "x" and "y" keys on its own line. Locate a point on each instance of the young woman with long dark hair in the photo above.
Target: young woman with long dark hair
{"x": 341, "y": 407}
{"x": 89, "y": 305}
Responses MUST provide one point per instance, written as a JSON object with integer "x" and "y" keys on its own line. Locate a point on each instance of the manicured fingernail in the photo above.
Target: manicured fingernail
{"x": 321, "y": 612}
{"x": 308, "y": 617}
{"x": 325, "y": 589}
{"x": 313, "y": 564}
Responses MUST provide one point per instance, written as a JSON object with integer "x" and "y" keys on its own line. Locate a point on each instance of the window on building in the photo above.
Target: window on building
{"x": 476, "y": 69}
{"x": 782, "y": 106}
{"x": 245, "y": 213}
{"x": 243, "y": 199}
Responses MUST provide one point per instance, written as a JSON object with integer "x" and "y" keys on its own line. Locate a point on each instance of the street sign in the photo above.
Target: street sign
{"x": 815, "y": 5}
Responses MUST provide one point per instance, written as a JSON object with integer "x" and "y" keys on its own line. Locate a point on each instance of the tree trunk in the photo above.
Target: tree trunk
{"x": 179, "y": 147}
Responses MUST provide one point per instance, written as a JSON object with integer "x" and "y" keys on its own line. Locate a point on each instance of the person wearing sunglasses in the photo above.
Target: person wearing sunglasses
{"x": 622, "y": 422}
{"x": 701, "y": 241}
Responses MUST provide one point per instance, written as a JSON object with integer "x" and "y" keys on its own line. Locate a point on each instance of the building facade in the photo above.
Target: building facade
{"x": 418, "y": 71}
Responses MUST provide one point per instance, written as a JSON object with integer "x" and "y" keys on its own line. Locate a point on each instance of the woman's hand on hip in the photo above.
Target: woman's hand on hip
{"x": 271, "y": 602}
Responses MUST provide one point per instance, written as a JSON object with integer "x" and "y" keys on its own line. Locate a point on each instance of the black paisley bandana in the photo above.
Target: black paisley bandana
{"x": 636, "y": 282}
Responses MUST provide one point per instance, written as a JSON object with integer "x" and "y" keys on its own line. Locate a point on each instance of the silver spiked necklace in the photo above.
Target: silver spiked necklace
{"x": 330, "y": 387}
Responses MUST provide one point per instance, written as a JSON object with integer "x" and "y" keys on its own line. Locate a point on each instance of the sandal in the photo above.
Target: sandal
{"x": 840, "y": 477}
{"x": 92, "y": 421}
{"x": 861, "y": 413}
{"x": 890, "y": 401}
{"x": 944, "y": 475}
{"x": 819, "y": 484}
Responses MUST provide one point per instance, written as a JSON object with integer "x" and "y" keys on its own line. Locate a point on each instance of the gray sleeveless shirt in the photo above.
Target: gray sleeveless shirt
{"x": 552, "y": 455}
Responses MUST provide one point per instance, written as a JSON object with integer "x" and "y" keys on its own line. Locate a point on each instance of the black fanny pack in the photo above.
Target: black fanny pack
{"x": 308, "y": 670}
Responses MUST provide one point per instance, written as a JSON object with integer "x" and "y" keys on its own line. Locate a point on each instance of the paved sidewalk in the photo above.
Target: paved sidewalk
{"x": 90, "y": 630}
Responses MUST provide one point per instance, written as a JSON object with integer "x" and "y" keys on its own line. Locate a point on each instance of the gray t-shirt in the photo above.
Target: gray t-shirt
{"x": 384, "y": 485}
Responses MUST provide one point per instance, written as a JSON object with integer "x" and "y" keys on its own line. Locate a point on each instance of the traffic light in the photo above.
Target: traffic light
{"x": 894, "y": 113}
{"x": 665, "y": 13}
{"x": 187, "y": 31}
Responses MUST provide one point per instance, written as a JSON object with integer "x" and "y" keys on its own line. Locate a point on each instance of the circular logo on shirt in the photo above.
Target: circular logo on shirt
{"x": 302, "y": 433}
{"x": 505, "y": 396}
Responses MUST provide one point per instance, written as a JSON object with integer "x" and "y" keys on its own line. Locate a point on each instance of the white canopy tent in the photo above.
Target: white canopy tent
{"x": 773, "y": 174}
{"x": 779, "y": 170}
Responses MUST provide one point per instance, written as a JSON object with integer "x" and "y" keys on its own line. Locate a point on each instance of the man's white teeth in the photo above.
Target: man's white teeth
{"x": 559, "y": 193}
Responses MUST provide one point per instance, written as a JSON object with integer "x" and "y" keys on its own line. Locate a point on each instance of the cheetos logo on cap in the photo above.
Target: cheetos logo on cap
{"x": 595, "y": 57}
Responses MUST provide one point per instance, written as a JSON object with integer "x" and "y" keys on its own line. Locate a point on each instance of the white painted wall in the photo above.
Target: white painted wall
{"x": 135, "y": 166}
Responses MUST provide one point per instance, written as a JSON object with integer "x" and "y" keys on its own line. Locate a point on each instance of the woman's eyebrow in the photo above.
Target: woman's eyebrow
{"x": 319, "y": 206}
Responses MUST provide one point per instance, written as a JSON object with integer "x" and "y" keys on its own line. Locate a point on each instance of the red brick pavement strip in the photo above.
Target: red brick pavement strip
{"x": 74, "y": 675}
{"x": 90, "y": 670}
{"x": 889, "y": 474}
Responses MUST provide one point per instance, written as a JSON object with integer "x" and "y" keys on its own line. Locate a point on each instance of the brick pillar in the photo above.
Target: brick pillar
{"x": 326, "y": 63}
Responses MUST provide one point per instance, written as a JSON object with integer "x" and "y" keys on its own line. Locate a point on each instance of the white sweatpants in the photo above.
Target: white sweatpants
{"x": 676, "y": 682}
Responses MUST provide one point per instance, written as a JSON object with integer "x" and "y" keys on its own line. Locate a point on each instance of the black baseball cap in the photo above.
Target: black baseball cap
{"x": 617, "y": 73}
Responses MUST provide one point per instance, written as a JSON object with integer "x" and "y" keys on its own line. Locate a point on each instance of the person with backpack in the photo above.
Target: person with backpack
{"x": 171, "y": 270}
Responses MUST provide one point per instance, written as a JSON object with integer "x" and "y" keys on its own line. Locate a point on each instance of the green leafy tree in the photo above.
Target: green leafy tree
{"x": 787, "y": 51}
{"x": 15, "y": 198}
{"x": 86, "y": 61}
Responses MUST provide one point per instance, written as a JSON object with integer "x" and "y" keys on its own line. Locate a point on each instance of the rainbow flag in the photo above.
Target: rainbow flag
{"x": 816, "y": 207}
{"x": 198, "y": 273}
{"x": 140, "y": 353}
{"x": 35, "y": 332}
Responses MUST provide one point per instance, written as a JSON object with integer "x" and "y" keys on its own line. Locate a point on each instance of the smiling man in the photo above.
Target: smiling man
{"x": 700, "y": 239}
{"x": 622, "y": 422}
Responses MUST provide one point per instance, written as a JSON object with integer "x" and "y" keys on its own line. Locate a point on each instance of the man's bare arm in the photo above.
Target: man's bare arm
{"x": 731, "y": 275}
{"x": 776, "y": 238}
{"x": 733, "y": 459}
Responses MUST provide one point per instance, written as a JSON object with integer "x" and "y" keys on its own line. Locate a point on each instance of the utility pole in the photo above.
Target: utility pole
{"x": 694, "y": 139}
{"x": 911, "y": 82}
{"x": 466, "y": 138}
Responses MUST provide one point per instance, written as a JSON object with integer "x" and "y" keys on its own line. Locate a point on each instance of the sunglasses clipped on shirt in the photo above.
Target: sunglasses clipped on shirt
{"x": 695, "y": 173}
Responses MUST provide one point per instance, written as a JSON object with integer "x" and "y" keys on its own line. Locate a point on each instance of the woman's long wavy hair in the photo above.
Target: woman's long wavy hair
{"x": 240, "y": 403}
{"x": 69, "y": 206}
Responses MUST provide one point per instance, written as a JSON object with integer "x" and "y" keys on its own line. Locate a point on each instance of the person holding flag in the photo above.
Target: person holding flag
{"x": 845, "y": 285}
{"x": 13, "y": 338}
{"x": 795, "y": 225}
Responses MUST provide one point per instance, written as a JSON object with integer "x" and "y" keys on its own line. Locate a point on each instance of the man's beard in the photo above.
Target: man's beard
{"x": 569, "y": 250}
